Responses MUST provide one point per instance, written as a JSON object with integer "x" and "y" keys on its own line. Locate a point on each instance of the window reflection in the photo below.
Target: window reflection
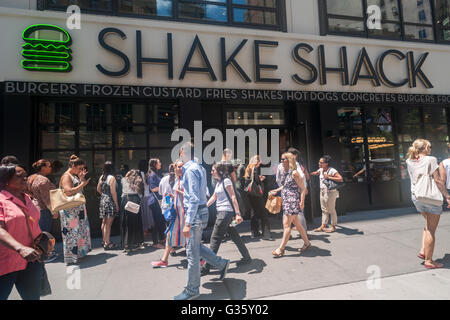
{"x": 198, "y": 10}
{"x": 161, "y": 8}
{"x": 275, "y": 117}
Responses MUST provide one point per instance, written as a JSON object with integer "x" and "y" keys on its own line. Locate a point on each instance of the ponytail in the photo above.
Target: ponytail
{"x": 418, "y": 147}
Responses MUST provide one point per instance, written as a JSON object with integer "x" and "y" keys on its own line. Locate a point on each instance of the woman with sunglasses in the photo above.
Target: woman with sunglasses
{"x": 293, "y": 202}
{"x": 327, "y": 197}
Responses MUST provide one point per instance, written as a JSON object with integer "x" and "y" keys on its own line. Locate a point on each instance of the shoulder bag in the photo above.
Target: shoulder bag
{"x": 426, "y": 190}
{"x": 332, "y": 185}
{"x": 60, "y": 201}
{"x": 254, "y": 189}
{"x": 131, "y": 206}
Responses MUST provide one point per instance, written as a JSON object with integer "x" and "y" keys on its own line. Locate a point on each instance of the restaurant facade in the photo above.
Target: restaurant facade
{"x": 116, "y": 88}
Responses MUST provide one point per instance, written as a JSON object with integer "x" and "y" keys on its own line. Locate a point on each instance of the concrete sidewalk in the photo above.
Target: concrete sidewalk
{"x": 335, "y": 268}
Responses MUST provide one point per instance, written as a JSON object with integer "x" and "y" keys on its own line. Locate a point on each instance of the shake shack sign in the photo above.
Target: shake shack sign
{"x": 304, "y": 71}
{"x": 129, "y": 91}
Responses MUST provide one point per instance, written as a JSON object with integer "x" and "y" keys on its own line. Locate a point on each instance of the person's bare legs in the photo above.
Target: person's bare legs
{"x": 103, "y": 228}
{"x": 302, "y": 231}
{"x": 424, "y": 234}
{"x": 108, "y": 223}
{"x": 287, "y": 222}
{"x": 430, "y": 239}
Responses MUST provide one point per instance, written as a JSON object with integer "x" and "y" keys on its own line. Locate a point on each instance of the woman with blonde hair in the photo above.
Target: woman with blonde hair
{"x": 255, "y": 199}
{"x": 293, "y": 202}
{"x": 421, "y": 163}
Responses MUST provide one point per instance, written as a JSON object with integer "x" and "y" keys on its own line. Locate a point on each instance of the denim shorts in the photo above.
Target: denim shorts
{"x": 424, "y": 207}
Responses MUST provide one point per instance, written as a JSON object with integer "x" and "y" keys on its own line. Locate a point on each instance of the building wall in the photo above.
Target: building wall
{"x": 87, "y": 53}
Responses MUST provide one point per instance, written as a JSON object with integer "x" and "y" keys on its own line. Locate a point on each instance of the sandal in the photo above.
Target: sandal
{"x": 421, "y": 256}
{"x": 110, "y": 246}
{"x": 278, "y": 253}
{"x": 435, "y": 265}
{"x": 320, "y": 229}
{"x": 305, "y": 247}
{"x": 332, "y": 229}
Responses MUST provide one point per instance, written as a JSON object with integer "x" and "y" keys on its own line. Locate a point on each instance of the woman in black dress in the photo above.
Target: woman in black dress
{"x": 131, "y": 231}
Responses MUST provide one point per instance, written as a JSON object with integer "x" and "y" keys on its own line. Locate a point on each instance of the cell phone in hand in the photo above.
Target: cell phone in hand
{"x": 88, "y": 175}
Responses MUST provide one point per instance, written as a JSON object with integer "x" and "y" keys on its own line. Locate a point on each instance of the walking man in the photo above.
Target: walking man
{"x": 196, "y": 219}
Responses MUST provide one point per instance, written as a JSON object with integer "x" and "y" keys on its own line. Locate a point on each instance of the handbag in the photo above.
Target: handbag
{"x": 60, "y": 201}
{"x": 170, "y": 214}
{"x": 273, "y": 204}
{"x": 332, "y": 185}
{"x": 43, "y": 243}
{"x": 254, "y": 189}
{"x": 132, "y": 207}
{"x": 426, "y": 190}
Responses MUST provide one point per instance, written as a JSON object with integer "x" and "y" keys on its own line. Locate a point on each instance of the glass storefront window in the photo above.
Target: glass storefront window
{"x": 408, "y": 115}
{"x": 413, "y": 32}
{"x": 436, "y": 132}
{"x": 130, "y": 158}
{"x": 254, "y": 16}
{"x": 131, "y": 137}
{"x": 389, "y": 9}
{"x": 417, "y": 11}
{"x": 259, "y": 3}
{"x": 129, "y": 113}
{"x": 95, "y": 114}
{"x": 435, "y": 115}
{"x": 206, "y": 10}
{"x": 352, "y": 8}
{"x": 408, "y": 133}
{"x": 104, "y": 5}
{"x": 352, "y": 166}
{"x": 97, "y": 137}
{"x": 162, "y": 8}
{"x": 350, "y": 125}
{"x": 269, "y": 117}
{"x": 345, "y": 25}
{"x": 390, "y": 30}
{"x": 382, "y": 162}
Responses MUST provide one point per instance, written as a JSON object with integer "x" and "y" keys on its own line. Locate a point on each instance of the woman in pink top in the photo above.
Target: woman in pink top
{"x": 19, "y": 263}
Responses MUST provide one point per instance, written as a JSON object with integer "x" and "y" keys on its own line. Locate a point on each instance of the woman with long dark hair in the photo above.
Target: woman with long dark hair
{"x": 153, "y": 180}
{"x": 19, "y": 217}
{"x": 39, "y": 187}
{"x": 227, "y": 211}
{"x": 74, "y": 222}
{"x": 131, "y": 231}
{"x": 109, "y": 204}
{"x": 146, "y": 212}
{"x": 256, "y": 203}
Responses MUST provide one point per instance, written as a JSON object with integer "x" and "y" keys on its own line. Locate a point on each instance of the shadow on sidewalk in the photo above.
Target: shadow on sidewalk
{"x": 95, "y": 260}
{"x": 445, "y": 261}
{"x": 236, "y": 289}
{"x": 254, "y": 267}
{"x": 310, "y": 253}
{"x": 348, "y": 231}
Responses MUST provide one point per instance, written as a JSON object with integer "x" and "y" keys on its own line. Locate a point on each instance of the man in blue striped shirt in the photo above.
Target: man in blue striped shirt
{"x": 196, "y": 219}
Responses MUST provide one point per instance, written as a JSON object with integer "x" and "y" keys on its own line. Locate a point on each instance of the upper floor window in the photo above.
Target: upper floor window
{"x": 267, "y": 14}
{"x": 411, "y": 20}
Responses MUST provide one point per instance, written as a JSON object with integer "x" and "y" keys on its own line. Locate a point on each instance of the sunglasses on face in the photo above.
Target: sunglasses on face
{"x": 282, "y": 159}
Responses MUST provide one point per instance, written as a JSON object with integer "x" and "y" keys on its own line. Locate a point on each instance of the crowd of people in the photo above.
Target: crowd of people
{"x": 173, "y": 210}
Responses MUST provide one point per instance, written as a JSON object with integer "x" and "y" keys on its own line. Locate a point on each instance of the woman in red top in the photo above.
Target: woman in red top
{"x": 19, "y": 263}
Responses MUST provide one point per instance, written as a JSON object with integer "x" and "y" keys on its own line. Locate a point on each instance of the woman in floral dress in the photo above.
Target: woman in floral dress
{"x": 74, "y": 222}
{"x": 175, "y": 237}
{"x": 293, "y": 202}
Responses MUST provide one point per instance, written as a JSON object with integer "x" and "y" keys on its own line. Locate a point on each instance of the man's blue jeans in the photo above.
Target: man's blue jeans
{"x": 195, "y": 249}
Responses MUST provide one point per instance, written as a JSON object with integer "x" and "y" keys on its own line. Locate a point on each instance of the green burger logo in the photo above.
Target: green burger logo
{"x": 46, "y": 48}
